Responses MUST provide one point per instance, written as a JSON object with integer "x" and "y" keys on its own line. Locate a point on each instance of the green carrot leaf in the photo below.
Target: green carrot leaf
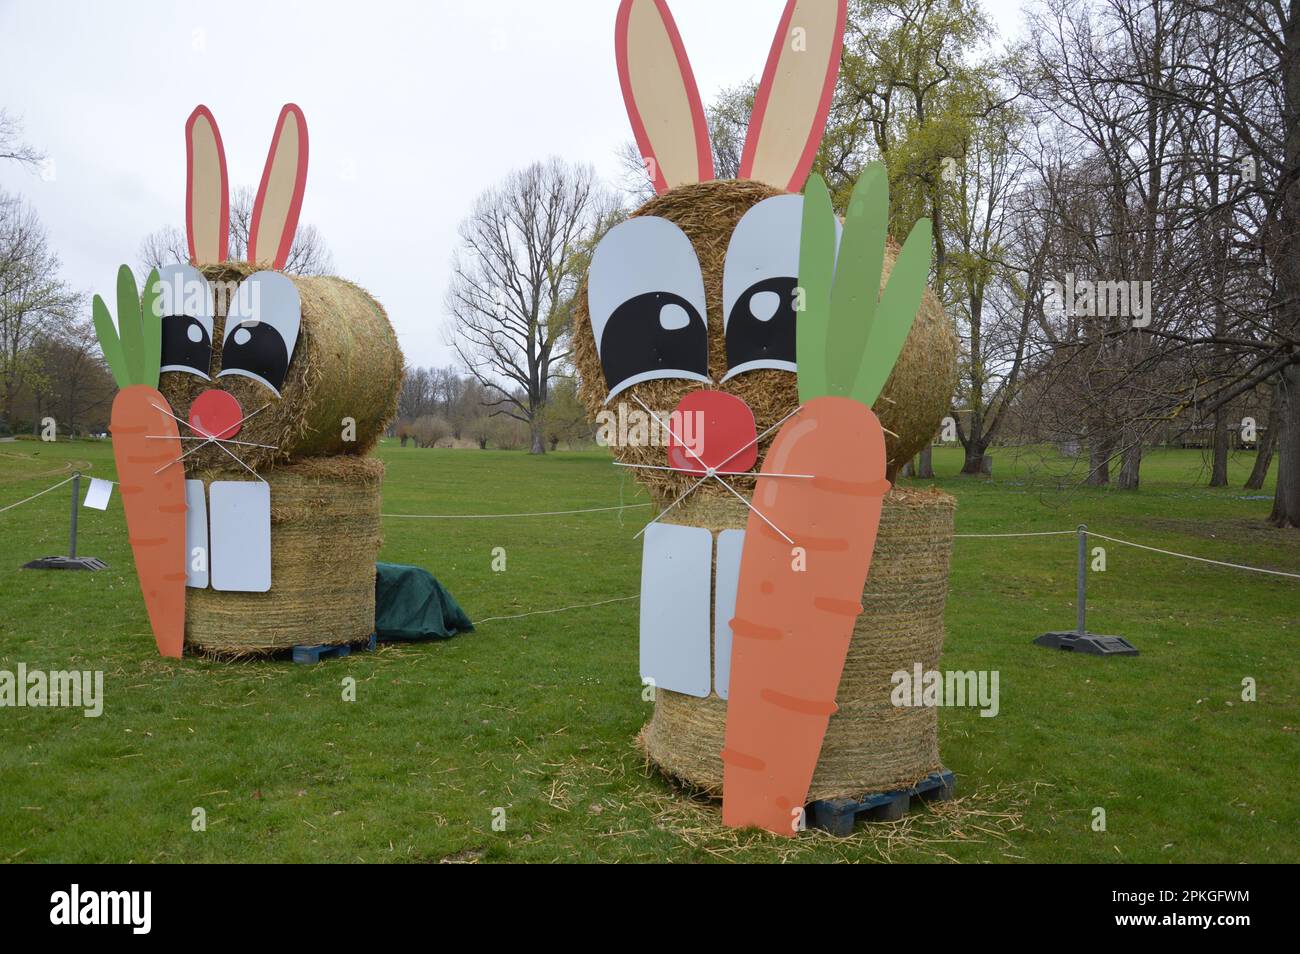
{"x": 110, "y": 343}
{"x": 816, "y": 274}
{"x": 857, "y": 278}
{"x": 151, "y": 328}
{"x": 128, "y": 324}
{"x": 895, "y": 314}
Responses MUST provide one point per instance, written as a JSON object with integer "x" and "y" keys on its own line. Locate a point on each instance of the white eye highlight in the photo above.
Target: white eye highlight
{"x": 763, "y": 305}
{"x": 672, "y": 317}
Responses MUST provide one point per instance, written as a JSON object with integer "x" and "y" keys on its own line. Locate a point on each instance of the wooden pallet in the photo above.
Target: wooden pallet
{"x": 307, "y": 655}
{"x": 838, "y": 815}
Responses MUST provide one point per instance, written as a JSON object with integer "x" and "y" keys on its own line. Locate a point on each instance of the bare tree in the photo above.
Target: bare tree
{"x": 996, "y": 273}
{"x": 34, "y": 300}
{"x": 429, "y": 429}
{"x": 522, "y": 252}
{"x": 12, "y": 146}
{"x": 1255, "y": 97}
{"x": 728, "y": 121}
{"x": 167, "y": 246}
{"x": 308, "y": 255}
{"x": 80, "y": 388}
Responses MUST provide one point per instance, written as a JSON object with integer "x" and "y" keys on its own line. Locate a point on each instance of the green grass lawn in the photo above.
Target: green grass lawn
{"x": 536, "y": 716}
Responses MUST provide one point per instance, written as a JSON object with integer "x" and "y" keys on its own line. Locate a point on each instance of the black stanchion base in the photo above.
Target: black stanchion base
{"x": 1089, "y": 643}
{"x": 66, "y": 563}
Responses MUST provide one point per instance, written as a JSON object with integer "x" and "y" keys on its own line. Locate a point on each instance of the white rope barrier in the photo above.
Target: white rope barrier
{"x": 1039, "y": 533}
{"x": 1235, "y": 566}
{"x": 617, "y": 599}
{"x": 503, "y": 516}
{"x": 35, "y": 495}
{"x": 624, "y": 599}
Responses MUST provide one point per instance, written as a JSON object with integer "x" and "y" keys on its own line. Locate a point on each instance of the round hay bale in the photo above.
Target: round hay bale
{"x": 911, "y": 406}
{"x": 347, "y": 364}
{"x": 325, "y": 537}
{"x": 870, "y": 745}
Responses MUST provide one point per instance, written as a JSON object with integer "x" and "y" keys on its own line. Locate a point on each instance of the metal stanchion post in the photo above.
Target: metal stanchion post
{"x": 1082, "y": 641}
{"x": 71, "y": 561}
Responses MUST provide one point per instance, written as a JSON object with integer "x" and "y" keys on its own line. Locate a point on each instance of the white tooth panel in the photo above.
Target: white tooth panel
{"x": 196, "y": 535}
{"x": 730, "y": 545}
{"x": 675, "y": 586}
{"x": 241, "y": 535}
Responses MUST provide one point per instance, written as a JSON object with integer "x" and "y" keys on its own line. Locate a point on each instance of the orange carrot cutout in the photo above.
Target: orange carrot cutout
{"x": 796, "y": 606}
{"x": 146, "y": 447}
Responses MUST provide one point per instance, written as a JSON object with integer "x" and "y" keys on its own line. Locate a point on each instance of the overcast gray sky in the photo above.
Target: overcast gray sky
{"x": 413, "y": 109}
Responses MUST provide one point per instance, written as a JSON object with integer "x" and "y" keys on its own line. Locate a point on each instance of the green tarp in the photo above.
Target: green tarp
{"x": 410, "y": 604}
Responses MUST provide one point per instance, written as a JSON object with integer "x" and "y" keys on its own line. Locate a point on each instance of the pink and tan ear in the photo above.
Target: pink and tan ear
{"x": 795, "y": 95}
{"x": 207, "y": 193}
{"x": 279, "y": 197}
{"x": 662, "y": 100}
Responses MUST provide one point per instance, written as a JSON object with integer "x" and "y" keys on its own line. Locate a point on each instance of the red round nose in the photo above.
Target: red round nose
{"x": 712, "y": 430}
{"x": 216, "y": 414}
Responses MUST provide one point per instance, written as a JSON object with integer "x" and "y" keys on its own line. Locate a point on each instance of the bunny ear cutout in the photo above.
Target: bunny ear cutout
{"x": 207, "y": 196}
{"x": 795, "y": 94}
{"x": 279, "y": 197}
{"x": 662, "y": 100}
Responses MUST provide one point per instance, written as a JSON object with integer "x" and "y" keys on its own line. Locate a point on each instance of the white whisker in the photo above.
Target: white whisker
{"x": 231, "y": 455}
{"x": 724, "y": 473}
{"x": 741, "y": 497}
{"x": 686, "y": 447}
{"x": 714, "y": 473}
{"x": 213, "y": 439}
{"x": 759, "y": 437}
{"x": 223, "y": 440}
{"x": 672, "y": 505}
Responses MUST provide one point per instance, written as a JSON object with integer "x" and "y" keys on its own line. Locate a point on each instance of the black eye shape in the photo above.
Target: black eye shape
{"x": 186, "y": 345}
{"x": 256, "y": 350}
{"x": 760, "y": 328}
{"x": 654, "y": 335}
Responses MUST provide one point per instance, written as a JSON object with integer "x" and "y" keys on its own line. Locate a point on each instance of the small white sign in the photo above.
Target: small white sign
{"x": 98, "y": 493}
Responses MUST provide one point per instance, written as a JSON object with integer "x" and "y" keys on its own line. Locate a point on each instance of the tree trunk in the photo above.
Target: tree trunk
{"x": 1286, "y": 499}
{"x": 1219, "y": 474}
{"x": 925, "y": 467}
{"x": 1099, "y": 451}
{"x": 535, "y": 432}
{"x": 1129, "y": 469}
{"x": 974, "y": 462}
{"x": 1264, "y": 444}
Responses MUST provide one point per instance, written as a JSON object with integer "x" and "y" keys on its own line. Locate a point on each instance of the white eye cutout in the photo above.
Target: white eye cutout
{"x": 764, "y": 248}
{"x": 645, "y": 296}
{"x": 764, "y": 305}
{"x": 262, "y": 325}
{"x": 184, "y": 292}
{"x": 673, "y": 317}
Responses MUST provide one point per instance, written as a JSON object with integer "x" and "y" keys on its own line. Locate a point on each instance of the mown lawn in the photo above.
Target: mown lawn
{"x": 536, "y": 715}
